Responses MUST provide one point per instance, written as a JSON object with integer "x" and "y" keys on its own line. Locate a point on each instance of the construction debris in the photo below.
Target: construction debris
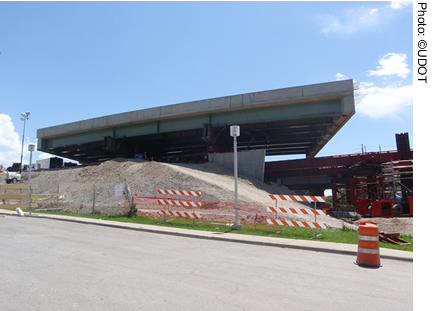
{"x": 392, "y": 238}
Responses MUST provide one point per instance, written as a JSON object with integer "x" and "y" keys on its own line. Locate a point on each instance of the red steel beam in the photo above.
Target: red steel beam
{"x": 333, "y": 165}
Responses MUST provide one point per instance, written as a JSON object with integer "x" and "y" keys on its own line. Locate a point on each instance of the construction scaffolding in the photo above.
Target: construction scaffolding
{"x": 378, "y": 189}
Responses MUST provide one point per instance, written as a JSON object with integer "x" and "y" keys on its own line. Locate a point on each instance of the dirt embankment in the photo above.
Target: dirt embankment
{"x": 93, "y": 188}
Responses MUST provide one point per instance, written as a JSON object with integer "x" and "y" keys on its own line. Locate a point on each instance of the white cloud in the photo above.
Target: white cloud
{"x": 392, "y": 64}
{"x": 10, "y": 145}
{"x": 399, "y": 4}
{"x": 391, "y": 101}
{"x": 387, "y": 102}
{"x": 352, "y": 22}
{"x": 357, "y": 20}
{"x": 373, "y": 11}
{"x": 340, "y": 76}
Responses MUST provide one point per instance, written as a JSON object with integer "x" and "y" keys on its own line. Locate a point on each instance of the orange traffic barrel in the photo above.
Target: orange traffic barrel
{"x": 368, "y": 244}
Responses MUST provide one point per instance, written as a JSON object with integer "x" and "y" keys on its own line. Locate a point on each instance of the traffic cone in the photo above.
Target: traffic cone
{"x": 368, "y": 245}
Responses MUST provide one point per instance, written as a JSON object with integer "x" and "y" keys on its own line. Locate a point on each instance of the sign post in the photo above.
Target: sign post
{"x": 235, "y": 132}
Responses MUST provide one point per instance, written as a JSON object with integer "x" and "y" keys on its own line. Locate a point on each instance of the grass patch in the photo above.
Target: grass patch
{"x": 344, "y": 235}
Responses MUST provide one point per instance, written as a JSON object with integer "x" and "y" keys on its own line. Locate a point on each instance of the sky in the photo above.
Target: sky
{"x": 69, "y": 61}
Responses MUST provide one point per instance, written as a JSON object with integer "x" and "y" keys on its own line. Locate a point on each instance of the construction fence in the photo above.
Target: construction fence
{"x": 92, "y": 199}
{"x": 109, "y": 199}
{"x": 82, "y": 199}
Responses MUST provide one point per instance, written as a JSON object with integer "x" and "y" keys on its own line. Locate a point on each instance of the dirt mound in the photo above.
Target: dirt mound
{"x": 92, "y": 188}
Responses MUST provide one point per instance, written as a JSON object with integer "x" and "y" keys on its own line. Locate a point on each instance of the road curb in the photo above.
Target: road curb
{"x": 325, "y": 247}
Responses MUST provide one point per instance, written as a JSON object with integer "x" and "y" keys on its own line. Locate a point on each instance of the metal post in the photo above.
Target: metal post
{"x": 276, "y": 215}
{"x": 235, "y": 131}
{"x": 30, "y": 199}
{"x": 22, "y": 146}
{"x": 31, "y": 148}
{"x": 24, "y": 117}
{"x": 93, "y": 201}
{"x": 193, "y": 213}
{"x": 166, "y": 209}
{"x": 315, "y": 221}
{"x": 236, "y": 204}
{"x": 57, "y": 205}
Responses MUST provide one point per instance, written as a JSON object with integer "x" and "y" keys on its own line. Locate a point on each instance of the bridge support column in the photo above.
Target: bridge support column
{"x": 249, "y": 162}
{"x": 318, "y": 190}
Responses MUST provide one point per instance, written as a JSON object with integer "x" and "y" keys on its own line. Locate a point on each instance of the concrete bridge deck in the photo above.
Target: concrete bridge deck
{"x": 295, "y": 120}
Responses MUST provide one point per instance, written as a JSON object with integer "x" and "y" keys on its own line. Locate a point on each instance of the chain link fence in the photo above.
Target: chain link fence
{"x": 82, "y": 198}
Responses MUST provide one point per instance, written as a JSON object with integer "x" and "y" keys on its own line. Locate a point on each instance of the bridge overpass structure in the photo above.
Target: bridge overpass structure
{"x": 356, "y": 180}
{"x": 287, "y": 121}
{"x": 318, "y": 174}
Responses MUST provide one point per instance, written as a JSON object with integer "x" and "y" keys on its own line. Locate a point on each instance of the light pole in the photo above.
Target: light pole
{"x": 24, "y": 117}
{"x": 31, "y": 149}
{"x": 235, "y": 132}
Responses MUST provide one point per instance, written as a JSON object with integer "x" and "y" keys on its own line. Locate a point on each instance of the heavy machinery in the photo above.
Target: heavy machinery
{"x": 14, "y": 168}
{"x": 12, "y": 177}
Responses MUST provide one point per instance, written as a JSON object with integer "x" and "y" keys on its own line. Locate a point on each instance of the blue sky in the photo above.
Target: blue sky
{"x": 70, "y": 61}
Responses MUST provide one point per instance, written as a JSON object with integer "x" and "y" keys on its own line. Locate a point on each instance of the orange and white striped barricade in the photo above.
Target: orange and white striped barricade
{"x": 301, "y": 211}
{"x": 180, "y": 203}
{"x": 295, "y": 223}
{"x": 180, "y": 192}
{"x": 299, "y": 198}
{"x": 181, "y": 214}
{"x": 175, "y": 202}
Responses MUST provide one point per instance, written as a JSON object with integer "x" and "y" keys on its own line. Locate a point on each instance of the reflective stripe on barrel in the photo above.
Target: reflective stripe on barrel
{"x": 368, "y": 250}
{"x": 368, "y": 238}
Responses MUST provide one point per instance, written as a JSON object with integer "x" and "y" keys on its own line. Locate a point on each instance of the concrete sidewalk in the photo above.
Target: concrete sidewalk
{"x": 337, "y": 248}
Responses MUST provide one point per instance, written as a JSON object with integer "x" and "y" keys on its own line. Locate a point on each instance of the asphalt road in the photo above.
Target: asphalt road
{"x": 55, "y": 265}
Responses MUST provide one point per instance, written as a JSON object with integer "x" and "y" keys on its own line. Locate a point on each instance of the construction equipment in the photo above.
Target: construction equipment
{"x": 14, "y": 168}
{"x": 12, "y": 177}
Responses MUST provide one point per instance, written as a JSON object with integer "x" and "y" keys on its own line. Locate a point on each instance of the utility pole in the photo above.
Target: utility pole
{"x": 24, "y": 117}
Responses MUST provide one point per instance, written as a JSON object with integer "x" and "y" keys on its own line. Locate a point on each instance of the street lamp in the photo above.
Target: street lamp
{"x": 24, "y": 117}
{"x": 235, "y": 132}
{"x": 31, "y": 148}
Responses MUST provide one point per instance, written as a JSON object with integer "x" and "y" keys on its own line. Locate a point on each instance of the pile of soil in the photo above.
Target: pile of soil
{"x": 92, "y": 188}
